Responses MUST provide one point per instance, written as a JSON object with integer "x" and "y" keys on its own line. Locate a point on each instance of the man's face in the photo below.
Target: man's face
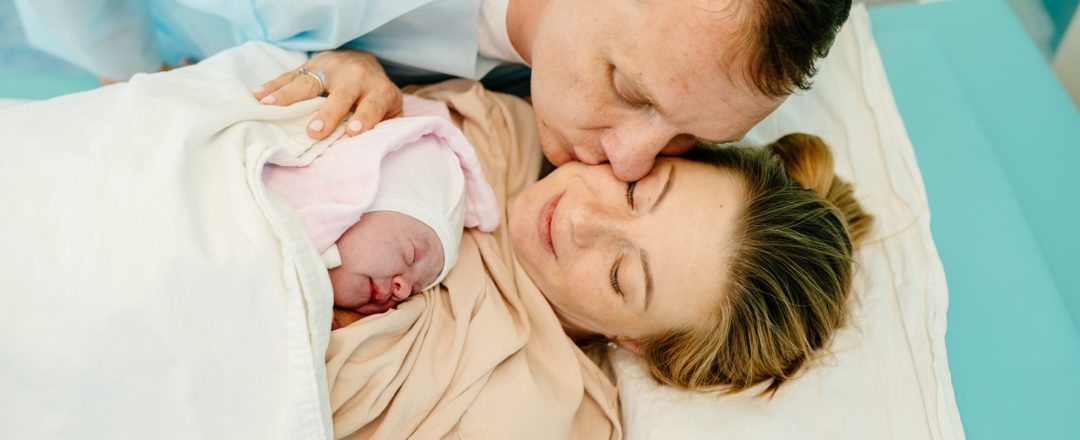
{"x": 625, "y": 80}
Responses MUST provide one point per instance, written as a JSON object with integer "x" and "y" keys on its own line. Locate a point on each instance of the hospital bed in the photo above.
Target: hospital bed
{"x": 996, "y": 140}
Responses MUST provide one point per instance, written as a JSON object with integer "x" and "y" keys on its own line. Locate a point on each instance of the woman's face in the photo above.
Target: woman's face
{"x": 628, "y": 260}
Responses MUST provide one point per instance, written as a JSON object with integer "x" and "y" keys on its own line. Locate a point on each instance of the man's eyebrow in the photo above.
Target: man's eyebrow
{"x": 664, "y": 191}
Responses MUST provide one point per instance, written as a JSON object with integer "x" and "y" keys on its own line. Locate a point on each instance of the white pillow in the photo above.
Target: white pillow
{"x": 8, "y": 102}
{"x": 886, "y": 375}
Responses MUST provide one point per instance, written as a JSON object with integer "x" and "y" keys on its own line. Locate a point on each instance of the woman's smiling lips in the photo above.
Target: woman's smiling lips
{"x": 545, "y": 225}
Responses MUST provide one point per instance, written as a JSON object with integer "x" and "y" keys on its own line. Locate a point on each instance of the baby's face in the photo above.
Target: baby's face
{"x": 385, "y": 257}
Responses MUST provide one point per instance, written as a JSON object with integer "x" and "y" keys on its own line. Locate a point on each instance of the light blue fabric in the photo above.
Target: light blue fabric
{"x": 1061, "y": 13}
{"x": 118, "y": 38}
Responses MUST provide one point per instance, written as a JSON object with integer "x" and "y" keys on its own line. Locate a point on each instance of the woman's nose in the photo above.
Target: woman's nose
{"x": 589, "y": 223}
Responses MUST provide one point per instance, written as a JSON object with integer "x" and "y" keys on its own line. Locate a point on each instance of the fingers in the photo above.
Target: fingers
{"x": 354, "y": 79}
{"x": 300, "y": 88}
{"x": 273, "y": 85}
{"x": 330, "y": 115}
{"x": 377, "y": 105}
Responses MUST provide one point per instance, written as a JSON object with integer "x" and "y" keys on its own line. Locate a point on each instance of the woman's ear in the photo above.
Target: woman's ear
{"x": 628, "y": 343}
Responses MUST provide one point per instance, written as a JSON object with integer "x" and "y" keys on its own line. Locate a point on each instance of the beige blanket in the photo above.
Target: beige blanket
{"x": 482, "y": 357}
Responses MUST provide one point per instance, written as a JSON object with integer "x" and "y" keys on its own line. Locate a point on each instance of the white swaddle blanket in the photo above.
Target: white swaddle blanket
{"x": 151, "y": 288}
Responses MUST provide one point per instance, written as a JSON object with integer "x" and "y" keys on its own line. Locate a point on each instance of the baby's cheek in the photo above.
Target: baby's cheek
{"x": 347, "y": 291}
{"x": 429, "y": 277}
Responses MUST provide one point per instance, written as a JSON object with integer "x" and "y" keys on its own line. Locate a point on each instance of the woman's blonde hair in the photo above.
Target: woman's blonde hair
{"x": 789, "y": 274}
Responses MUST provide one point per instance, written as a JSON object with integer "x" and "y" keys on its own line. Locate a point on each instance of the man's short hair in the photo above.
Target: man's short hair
{"x": 788, "y": 37}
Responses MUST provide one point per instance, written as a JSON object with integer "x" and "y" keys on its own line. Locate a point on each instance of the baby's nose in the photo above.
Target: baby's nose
{"x": 401, "y": 287}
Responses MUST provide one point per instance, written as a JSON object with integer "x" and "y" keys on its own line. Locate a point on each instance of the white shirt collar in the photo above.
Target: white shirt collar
{"x": 493, "y": 40}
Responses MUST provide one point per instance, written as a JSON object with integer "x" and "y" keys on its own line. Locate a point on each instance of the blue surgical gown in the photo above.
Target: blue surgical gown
{"x": 118, "y": 38}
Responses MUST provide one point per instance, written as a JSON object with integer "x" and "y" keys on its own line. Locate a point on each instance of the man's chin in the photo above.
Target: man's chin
{"x": 557, "y": 156}
{"x": 555, "y": 151}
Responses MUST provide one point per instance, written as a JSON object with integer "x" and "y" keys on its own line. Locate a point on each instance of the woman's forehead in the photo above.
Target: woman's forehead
{"x": 691, "y": 255}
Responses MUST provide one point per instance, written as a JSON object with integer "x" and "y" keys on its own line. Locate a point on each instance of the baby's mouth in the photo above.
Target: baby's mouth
{"x": 375, "y": 294}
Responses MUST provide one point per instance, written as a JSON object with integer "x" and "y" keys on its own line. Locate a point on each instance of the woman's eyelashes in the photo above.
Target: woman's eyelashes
{"x": 630, "y": 187}
{"x": 615, "y": 276}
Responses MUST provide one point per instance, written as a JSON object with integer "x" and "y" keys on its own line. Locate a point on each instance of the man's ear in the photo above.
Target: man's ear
{"x": 628, "y": 343}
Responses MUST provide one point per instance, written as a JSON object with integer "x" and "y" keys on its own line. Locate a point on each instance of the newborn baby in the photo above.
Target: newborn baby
{"x": 386, "y": 209}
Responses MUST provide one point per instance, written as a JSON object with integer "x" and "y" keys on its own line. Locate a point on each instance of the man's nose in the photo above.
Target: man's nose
{"x": 632, "y": 149}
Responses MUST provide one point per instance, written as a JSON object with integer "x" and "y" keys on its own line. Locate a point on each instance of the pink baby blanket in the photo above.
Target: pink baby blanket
{"x": 337, "y": 187}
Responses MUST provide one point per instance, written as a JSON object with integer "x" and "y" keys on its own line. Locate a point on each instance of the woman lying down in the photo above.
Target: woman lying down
{"x": 723, "y": 270}
{"x": 727, "y": 269}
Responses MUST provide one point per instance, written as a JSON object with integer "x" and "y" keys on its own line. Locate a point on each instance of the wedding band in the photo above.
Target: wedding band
{"x": 319, "y": 76}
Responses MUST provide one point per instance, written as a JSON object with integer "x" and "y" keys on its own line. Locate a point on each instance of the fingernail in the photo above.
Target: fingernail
{"x": 315, "y": 125}
{"x": 355, "y": 126}
{"x": 269, "y": 99}
{"x": 259, "y": 90}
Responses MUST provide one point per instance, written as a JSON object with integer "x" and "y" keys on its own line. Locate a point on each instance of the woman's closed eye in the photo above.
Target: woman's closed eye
{"x": 630, "y": 187}
{"x": 615, "y": 277}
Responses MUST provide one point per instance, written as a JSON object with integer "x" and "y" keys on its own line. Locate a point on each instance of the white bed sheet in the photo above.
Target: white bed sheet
{"x": 887, "y": 374}
{"x": 7, "y": 102}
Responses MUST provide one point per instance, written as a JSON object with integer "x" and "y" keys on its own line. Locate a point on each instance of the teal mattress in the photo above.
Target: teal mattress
{"x": 998, "y": 143}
